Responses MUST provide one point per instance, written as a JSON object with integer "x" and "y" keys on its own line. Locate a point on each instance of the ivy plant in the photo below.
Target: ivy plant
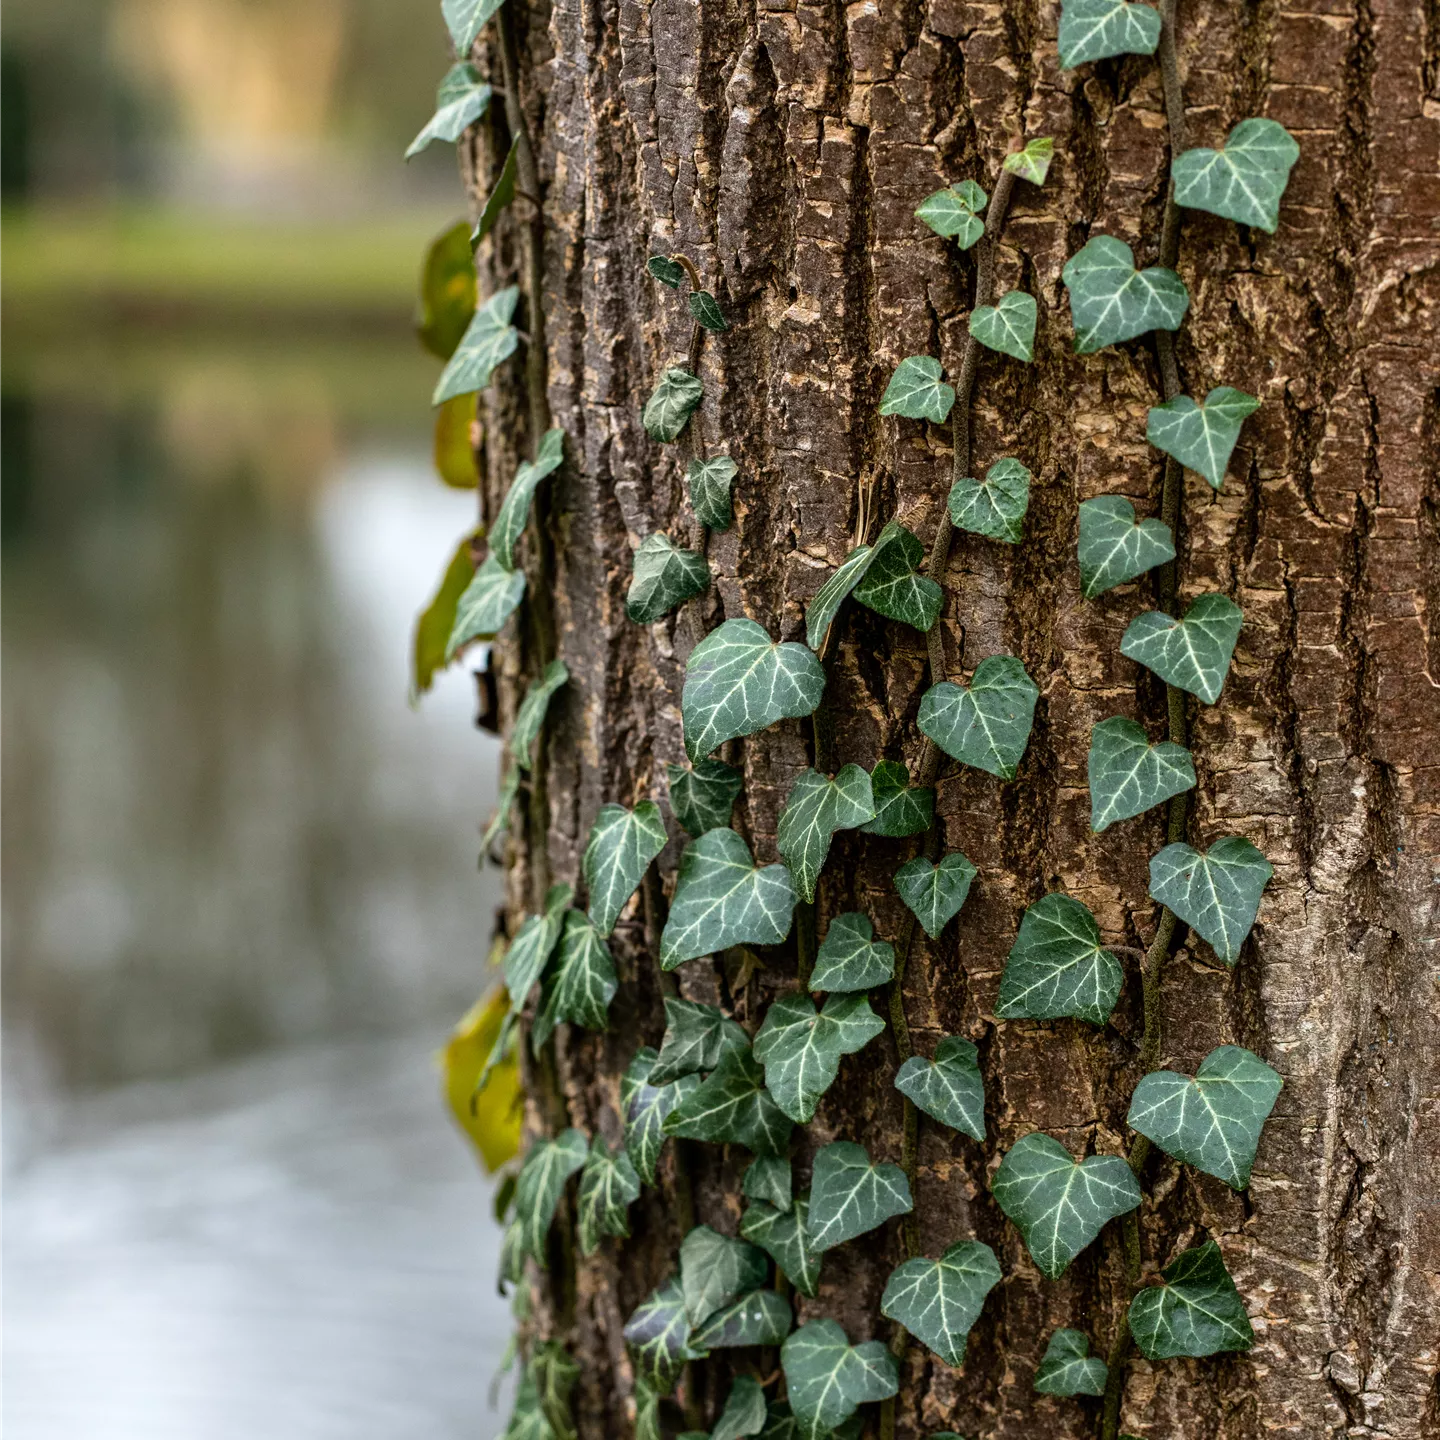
{"x": 466, "y": 19}
{"x": 659, "y": 1337}
{"x": 1059, "y": 966}
{"x": 935, "y": 891}
{"x": 986, "y": 723}
{"x": 948, "y": 1088}
{"x": 938, "y": 1301}
{"x": 533, "y": 708}
{"x": 715, "y": 1269}
{"x": 1201, "y": 436}
{"x": 583, "y": 983}
{"x": 769, "y": 1178}
{"x": 462, "y": 98}
{"x": 1098, "y": 29}
{"x": 801, "y": 1047}
{"x": 900, "y": 808}
{"x": 956, "y": 212}
{"x": 671, "y": 404}
{"x": 664, "y": 578}
{"x": 484, "y": 606}
{"x": 1195, "y": 1311}
{"x": 1112, "y": 301}
{"x": 531, "y": 948}
{"x": 882, "y": 577}
{"x": 815, "y": 809}
{"x": 744, "y": 1412}
{"x": 1192, "y": 653}
{"x": 1129, "y": 774}
{"x": 1007, "y": 326}
{"x": 850, "y": 960}
{"x": 917, "y": 391}
{"x": 709, "y": 483}
{"x": 762, "y": 1317}
{"x": 1032, "y": 162}
{"x": 828, "y": 1379}
{"x": 995, "y": 506}
{"x": 1216, "y": 892}
{"x": 703, "y": 796}
{"x": 732, "y": 1106}
{"x": 784, "y": 1235}
{"x": 548, "y": 1165}
{"x": 1069, "y": 1368}
{"x": 621, "y": 846}
{"x": 489, "y": 340}
{"x": 697, "y": 1037}
{"x": 609, "y": 1185}
{"x": 1244, "y": 179}
{"x": 514, "y": 512}
{"x": 850, "y": 1196}
{"x": 646, "y": 1104}
{"x": 1115, "y": 547}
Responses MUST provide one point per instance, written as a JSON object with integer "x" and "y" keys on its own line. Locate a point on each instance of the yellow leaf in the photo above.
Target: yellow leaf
{"x": 447, "y": 291}
{"x": 454, "y": 455}
{"x": 491, "y": 1117}
{"x": 437, "y": 619}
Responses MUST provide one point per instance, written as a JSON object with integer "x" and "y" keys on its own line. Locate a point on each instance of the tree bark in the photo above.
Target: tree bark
{"x": 783, "y": 149}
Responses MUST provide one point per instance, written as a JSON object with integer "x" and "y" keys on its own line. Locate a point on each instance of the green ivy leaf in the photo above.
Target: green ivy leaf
{"x": 851, "y": 960}
{"x": 533, "y": 708}
{"x": 1215, "y": 892}
{"x": 527, "y": 1419}
{"x": 486, "y": 603}
{"x": 666, "y": 271}
{"x": 1243, "y": 181}
{"x": 733, "y": 1106}
{"x": 768, "y": 1178}
{"x": 715, "y": 1269}
{"x": 801, "y": 1049}
{"x": 1069, "y": 1368}
{"x": 737, "y": 681}
{"x": 849, "y": 1195}
{"x": 671, "y": 404}
{"x": 609, "y": 1185}
{"x": 512, "y": 1256}
{"x": 583, "y": 985}
{"x": 435, "y": 622}
{"x": 987, "y": 723}
{"x": 1115, "y": 547}
{"x": 1058, "y": 966}
{"x": 917, "y": 392}
{"x": 938, "y": 1301}
{"x": 697, "y": 1037}
{"x": 509, "y": 790}
{"x": 622, "y": 844}
{"x": 1060, "y": 1205}
{"x": 665, "y": 577}
{"x": 1196, "y": 1312}
{"x": 555, "y": 1375}
{"x": 645, "y": 1105}
{"x": 502, "y": 195}
{"x": 1201, "y": 437}
{"x": 890, "y": 585}
{"x": 1112, "y": 301}
{"x": 745, "y": 1410}
{"x": 1192, "y": 653}
{"x": 659, "y": 1337}
{"x": 530, "y": 949}
{"x": 785, "y": 1236}
{"x": 935, "y": 893}
{"x": 1128, "y": 775}
{"x": 706, "y": 311}
{"x": 466, "y": 18}
{"x": 814, "y": 810}
{"x": 996, "y": 506}
{"x": 828, "y": 1379}
{"x": 488, "y": 340}
{"x": 956, "y": 212}
{"x": 1212, "y": 1122}
{"x": 900, "y": 807}
{"x": 709, "y": 483}
{"x": 1008, "y": 325}
{"x": 1033, "y": 162}
{"x": 514, "y": 512}
{"x": 762, "y": 1317}
{"x": 781, "y": 1424}
{"x": 463, "y": 97}
{"x": 1098, "y": 29}
{"x": 948, "y": 1088}
{"x": 549, "y": 1164}
{"x": 703, "y": 797}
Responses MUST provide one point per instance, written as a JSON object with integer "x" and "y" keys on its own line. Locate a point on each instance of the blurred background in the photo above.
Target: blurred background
{"x": 241, "y": 902}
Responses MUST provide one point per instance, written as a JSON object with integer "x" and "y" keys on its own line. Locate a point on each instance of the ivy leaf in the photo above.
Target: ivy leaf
{"x": 733, "y": 1106}
{"x": 527, "y": 1419}
{"x": 608, "y": 1186}
{"x": 696, "y": 1038}
{"x": 1112, "y": 301}
{"x": 466, "y": 18}
{"x": 995, "y": 506}
{"x": 671, "y": 404}
{"x": 948, "y": 1088}
{"x": 1212, "y": 1122}
{"x": 583, "y": 985}
{"x": 935, "y": 893}
{"x": 704, "y": 796}
{"x": 1196, "y": 1312}
{"x": 814, "y": 810}
{"x": 1215, "y": 892}
{"x": 851, "y": 960}
{"x": 1128, "y": 775}
{"x": 706, "y": 311}
{"x": 514, "y": 513}
{"x": 1243, "y": 181}
{"x": 447, "y": 303}
{"x": 1033, "y": 162}
{"x": 486, "y": 603}
{"x": 555, "y": 1375}
{"x": 450, "y": 449}
{"x": 1007, "y": 326}
{"x": 435, "y": 622}
{"x": 659, "y": 1337}
{"x": 785, "y": 1236}
{"x": 463, "y": 97}
{"x": 917, "y": 392}
{"x": 763, "y": 1317}
{"x": 938, "y": 1301}
{"x": 738, "y": 681}
{"x": 709, "y": 484}
{"x": 1069, "y": 1368}
{"x": 1058, "y": 966}
{"x": 1098, "y": 29}
{"x": 716, "y": 1268}
{"x": 531, "y": 947}
{"x": 745, "y": 1410}
{"x": 987, "y": 723}
{"x": 890, "y": 585}
{"x": 828, "y": 1379}
{"x": 849, "y": 1195}
{"x": 956, "y": 212}
{"x": 1115, "y": 547}
{"x": 547, "y": 1167}
{"x": 488, "y": 340}
{"x": 666, "y": 271}
{"x": 900, "y": 807}
{"x": 801, "y": 1049}
{"x": 646, "y": 1104}
{"x": 531, "y": 714}
{"x": 1201, "y": 437}
{"x": 509, "y": 790}
{"x": 512, "y": 1256}
{"x": 665, "y": 577}
{"x": 622, "y": 844}
{"x": 1192, "y": 653}
{"x": 768, "y": 1179}
{"x": 502, "y": 195}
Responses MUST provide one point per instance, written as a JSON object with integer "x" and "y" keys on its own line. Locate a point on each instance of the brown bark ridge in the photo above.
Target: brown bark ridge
{"x": 783, "y": 148}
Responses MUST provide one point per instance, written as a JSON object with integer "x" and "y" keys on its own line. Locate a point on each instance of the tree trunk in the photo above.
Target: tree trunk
{"x": 783, "y": 150}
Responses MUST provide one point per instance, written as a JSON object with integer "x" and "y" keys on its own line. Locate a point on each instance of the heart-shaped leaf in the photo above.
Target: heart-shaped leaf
{"x": 437, "y": 620}
{"x": 533, "y": 708}
{"x": 935, "y": 893}
{"x": 1058, "y": 966}
{"x": 583, "y": 985}
{"x": 1192, "y": 653}
{"x": 917, "y": 392}
{"x": 738, "y": 681}
{"x": 715, "y": 1269}
{"x": 1008, "y": 325}
{"x": 622, "y": 844}
{"x": 850, "y": 959}
{"x": 665, "y": 577}
{"x": 995, "y": 506}
{"x": 1243, "y": 181}
{"x": 768, "y": 1178}
{"x": 1069, "y": 1368}
{"x": 671, "y": 404}
{"x": 1196, "y": 1312}
{"x": 1215, "y": 892}
{"x": 849, "y": 1195}
{"x": 1112, "y": 301}
{"x": 1115, "y": 547}
{"x": 732, "y": 1106}
{"x": 784, "y": 1235}
{"x": 645, "y": 1105}
{"x": 814, "y": 810}
{"x": 666, "y": 271}
{"x": 1128, "y": 775}
{"x": 948, "y": 1088}
{"x": 987, "y": 723}
{"x": 488, "y": 340}
{"x": 801, "y": 1049}
{"x": 1212, "y": 1122}
{"x": 703, "y": 797}
{"x": 486, "y": 603}
{"x": 531, "y": 947}
{"x": 696, "y": 1037}
{"x": 1201, "y": 437}
{"x": 608, "y": 1187}
{"x": 465, "y": 19}
{"x": 890, "y": 585}
{"x": 1097, "y": 29}
{"x": 463, "y": 97}
{"x": 745, "y": 1410}
{"x": 501, "y": 195}
{"x": 709, "y": 483}
{"x": 763, "y": 1317}
{"x": 828, "y": 1379}
{"x": 956, "y": 212}
{"x": 515, "y": 508}
{"x": 721, "y": 899}
{"x": 1033, "y": 162}
{"x": 900, "y": 807}
{"x": 706, "y": 311}
{"x": 659, "y": 1337}
{"x": 548, "y": 1165}
{"x": 1060, "y": 1205}
{"x": 555, "y": 1374}
{"x": 938, "y": 1301}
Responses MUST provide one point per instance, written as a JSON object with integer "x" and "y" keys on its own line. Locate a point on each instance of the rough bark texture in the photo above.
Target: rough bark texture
{"x": 784, "y": 148}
